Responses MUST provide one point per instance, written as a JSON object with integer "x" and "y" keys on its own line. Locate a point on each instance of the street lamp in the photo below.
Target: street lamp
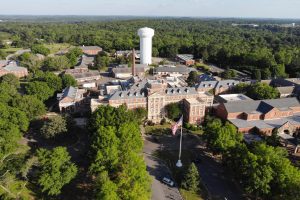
{"x": 179, "y": 164}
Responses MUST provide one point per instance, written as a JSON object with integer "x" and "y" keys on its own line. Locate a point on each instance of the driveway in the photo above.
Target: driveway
{"x": 213, "y": 175}
{"x": 157, "y": 171}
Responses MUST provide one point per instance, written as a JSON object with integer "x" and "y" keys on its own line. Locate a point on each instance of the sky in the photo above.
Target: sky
{"x": 187, "y": 8}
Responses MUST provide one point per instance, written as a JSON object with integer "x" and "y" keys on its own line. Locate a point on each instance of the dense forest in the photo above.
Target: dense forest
{"x": 270, "y": 49}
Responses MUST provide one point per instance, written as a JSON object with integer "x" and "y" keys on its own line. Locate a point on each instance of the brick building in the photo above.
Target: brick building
{"x": 262, "y": 116}
{"x": 217, "y": 87}
{"x": 155, "y": 95}
{"x": 13, "y": 68}
{"x": 185, "y": 59}
{"x": 91, "y": 50}
{"x": 71, "y": 100}
{"x": 174, "y": 71}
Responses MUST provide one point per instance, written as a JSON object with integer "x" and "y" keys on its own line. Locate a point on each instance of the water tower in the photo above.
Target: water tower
{"x": 146, "y": 35}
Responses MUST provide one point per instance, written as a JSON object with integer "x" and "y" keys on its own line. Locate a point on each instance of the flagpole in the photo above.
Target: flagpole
{"x": 179, "y": 163}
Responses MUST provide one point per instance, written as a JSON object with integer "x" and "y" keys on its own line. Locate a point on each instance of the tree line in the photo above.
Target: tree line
{"x": 272, "y": 51}
{"x": 264, "y": 171}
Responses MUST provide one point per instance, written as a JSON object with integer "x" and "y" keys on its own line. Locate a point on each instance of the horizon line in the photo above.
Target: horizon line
{"x": 147, "y": 16}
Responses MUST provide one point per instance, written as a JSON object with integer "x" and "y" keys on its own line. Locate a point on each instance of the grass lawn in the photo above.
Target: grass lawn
{"x": 55, "y": 47}
{"x": 11, "y": 50}
{"x": 170, "y": 158}
{"x": 187, "y": 195}
{"x": 158, "y": 129}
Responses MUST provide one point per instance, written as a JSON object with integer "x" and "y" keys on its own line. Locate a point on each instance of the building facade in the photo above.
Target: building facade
{"x": 13, "y": 68}
{"x": 71, "y": 100}
{"x": 91, "y": 50}
{"x": 262, "y": 116}
{"x": 155, "y": 95}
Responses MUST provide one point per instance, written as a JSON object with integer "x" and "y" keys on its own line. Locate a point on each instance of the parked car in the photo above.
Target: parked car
{"x": 168, "y": 182}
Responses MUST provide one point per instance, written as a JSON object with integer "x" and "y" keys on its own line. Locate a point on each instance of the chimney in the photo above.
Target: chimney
{"x": 133, "y": 62}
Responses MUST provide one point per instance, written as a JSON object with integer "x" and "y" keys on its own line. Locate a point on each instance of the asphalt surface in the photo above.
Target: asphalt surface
{"x": 157, "y": 170}
{"x": 217, "y": 181}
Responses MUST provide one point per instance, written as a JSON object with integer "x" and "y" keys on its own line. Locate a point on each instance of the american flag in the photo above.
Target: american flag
{"x": 176, "y": 125}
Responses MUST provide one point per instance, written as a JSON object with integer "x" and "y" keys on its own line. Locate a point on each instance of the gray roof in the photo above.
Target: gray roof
{"x": 262, "y": 106}
{"x": 217, "y": 84}
{"x": 227, "y": 83}
{"x": 69, "y": 92}
{"x": 12, "y": 66}
{"x": 286, "y": 90}
{"x": 3, "y": 62}
{"x": 180, "y": 91}
{"x": 207, "y": 84}
{"x": 130, "y": 94}
{"x": 276, "y": 123}
{"x": 91, "y": 48}
{"x": 206, "y": 77}
{"x": 125, "y": 69}
{"x": 86, "y": 74}
{"x": 179, "y": 69}
{"x": 85, "y": 61}
{"x": 185, "y": 57}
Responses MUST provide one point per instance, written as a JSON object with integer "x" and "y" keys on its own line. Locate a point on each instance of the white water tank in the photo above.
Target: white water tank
{"x": 146, "y": 35}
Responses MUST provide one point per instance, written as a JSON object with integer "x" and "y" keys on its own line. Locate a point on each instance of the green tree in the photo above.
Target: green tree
{"x": 73, "y": 55}
{"x": 54, "y": 126}
{"x": 266, "y": 73}
{"x": 57, "y": 63}
{"x": 10, "y": 79}
{"x": 39, "y": 89}
{"x": 32, "y": 63}
{"x": 105, "y": 188}
{"x": 279, "y": 71}
{"x": 10, "y": 136}
{"x": 52, "y": 80}
{"x": 220, "y": 138}
{"x": 173, "y": 111}
{"x": 68, "y": 80}
{"x": 40, "y": 49}
{"x": 133, "y": 180}
{"x": 105, "y": 150}
{"x": 257, "y": 74}
{"x": 140, "y": 114}
{"x": 192, "y": 78}
{"x": 110, "y": 116}
{"x": 260, "y": 91}
{"x": 30, "y": 105}
{"x": 130, "y": 141}
{"x": 102, "y": 61}
{"x": 8, "y": 93}
{"x": 56, "y": 170}
{"x": 2, "y": 54}
{"x": 191, "y": 179}
{"x": 229, "y": 74}
{"x": 274, "y": 139}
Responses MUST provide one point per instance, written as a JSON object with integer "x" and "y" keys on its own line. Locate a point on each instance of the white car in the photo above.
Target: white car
{"x": 168, "y": 182}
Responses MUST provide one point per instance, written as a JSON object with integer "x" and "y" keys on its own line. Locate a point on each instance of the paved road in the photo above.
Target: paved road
{"x": 217, "y": 181}
{"x": 158, "y": 170}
